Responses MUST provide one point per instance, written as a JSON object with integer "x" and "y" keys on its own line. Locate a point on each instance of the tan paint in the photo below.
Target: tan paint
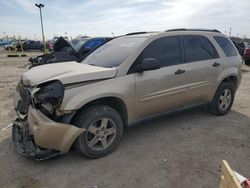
{"x": 144, "y": 94}
{"x": 50, "y": 134}
{"x": 67, "y": 72}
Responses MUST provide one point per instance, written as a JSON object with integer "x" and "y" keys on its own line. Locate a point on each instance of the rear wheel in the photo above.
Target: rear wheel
{"x": 104, "y": 129}
{"x": 223, "y": 99}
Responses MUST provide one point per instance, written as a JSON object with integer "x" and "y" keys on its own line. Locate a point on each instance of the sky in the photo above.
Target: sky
{"x": 117, "y": 17}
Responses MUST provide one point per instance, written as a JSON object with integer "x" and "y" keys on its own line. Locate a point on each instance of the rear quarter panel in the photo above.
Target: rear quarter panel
{"x": 231, "y": 66}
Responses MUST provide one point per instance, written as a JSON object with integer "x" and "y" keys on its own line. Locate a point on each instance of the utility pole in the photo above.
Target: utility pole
{"x": 230, "y": 31}
{"x": 40, "y": 6}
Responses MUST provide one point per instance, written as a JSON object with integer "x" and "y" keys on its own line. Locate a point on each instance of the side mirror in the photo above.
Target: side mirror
{"x": 148, "y": 64}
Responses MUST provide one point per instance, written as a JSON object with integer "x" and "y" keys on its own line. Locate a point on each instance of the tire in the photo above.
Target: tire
{"x": 9, "y": 48}
{"x": 247, "y": 62}
{"x": 91, "y": 142}
{"x": 220, "y": 104}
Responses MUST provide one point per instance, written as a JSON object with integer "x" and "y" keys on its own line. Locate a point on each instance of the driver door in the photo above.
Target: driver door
{"x": 164, "y": 88}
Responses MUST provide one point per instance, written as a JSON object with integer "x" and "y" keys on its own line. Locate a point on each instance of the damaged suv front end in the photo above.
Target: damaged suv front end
{"x": 40, "y": 132}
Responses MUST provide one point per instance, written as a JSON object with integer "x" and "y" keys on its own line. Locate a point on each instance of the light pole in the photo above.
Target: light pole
{"x": 40, "y": 6}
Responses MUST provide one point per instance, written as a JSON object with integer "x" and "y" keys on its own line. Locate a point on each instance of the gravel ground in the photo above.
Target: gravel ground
{"x": 180, "y": 150}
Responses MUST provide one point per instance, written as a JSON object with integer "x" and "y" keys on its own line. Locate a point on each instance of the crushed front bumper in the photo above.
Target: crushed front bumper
{"x": 40, "y": 137}
{"x": 24, "y": 143}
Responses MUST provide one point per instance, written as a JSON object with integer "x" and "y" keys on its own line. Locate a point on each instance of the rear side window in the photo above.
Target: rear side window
{"x": 198, "y": 48}
{"x": 167, "y": 50}
{"x": 226, "y": 46}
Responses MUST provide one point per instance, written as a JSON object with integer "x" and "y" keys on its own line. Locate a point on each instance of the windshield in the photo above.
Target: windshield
{"x": 114, "y": 52}
{"x": 77, "y": 44}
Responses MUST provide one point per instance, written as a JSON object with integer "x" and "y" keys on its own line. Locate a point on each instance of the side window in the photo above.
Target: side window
{"x": 226, "y": 46}
{"x": 167, "y": 50}
{"x": 198, "y": 48}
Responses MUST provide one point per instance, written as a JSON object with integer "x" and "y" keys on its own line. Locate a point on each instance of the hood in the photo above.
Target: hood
{"x": 61, "y": 44}
{"x": 67, "y": 73}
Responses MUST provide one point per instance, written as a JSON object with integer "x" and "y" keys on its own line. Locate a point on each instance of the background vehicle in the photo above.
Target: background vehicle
{"x": 244, "y": 50}
{"x": 9, "y": 45}
{"x": 50, "y": 44}
{"x": 64, "y": 51}
{"x": 31, "y": 45}
{"x": 240, "y": 47}
{"x": 125, "y": 81}
{"x": 246, "y": 55}
{"x": 3, "y": 42}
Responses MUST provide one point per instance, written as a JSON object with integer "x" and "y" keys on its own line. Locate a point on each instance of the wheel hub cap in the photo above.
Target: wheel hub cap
{"x": 225, "y": 99}
{"x": 101, "y": 134}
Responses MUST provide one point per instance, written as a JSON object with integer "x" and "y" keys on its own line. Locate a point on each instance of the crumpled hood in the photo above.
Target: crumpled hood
{"x": 68, "y": 72}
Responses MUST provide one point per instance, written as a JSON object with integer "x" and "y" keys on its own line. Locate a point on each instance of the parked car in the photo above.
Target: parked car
{"x": 246, "y": 55}
{"x": 11, "y": 44}
{"x": 31, "y": 45}
{"x": 50, "y": 45}
{"x": 125, "y": 81}
{"x": 64, "y": 51}
{"x": 240, "y": 47}
{"x": 3, "y": 42}
{"x": 245, "y": 52}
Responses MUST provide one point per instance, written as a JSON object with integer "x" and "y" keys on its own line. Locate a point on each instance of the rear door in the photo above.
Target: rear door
{"x": 164, "y": 88}
{"x": 202, "y": 65}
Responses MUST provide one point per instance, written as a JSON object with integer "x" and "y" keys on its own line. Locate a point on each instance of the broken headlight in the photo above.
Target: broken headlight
{"x": 49, "y": 95}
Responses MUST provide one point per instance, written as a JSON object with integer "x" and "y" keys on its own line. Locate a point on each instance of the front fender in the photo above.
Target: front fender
{"x": 122, "y": 88}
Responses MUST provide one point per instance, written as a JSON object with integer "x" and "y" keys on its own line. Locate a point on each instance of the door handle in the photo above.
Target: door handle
{"x": 180, "y": 71}
{"x": 216, "y": 64}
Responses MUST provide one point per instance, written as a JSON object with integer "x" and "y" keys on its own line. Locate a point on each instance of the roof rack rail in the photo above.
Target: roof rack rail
{"x": 137, "y": 33}
{"x": 184, "y": 29}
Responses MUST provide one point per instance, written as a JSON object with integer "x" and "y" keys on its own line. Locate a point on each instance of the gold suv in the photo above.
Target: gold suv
{"x": 129, "y": 79}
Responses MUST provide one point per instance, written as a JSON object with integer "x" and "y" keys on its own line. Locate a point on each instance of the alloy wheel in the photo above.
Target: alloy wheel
{"x": 225, "y": 99}
{"x": 101, "y": 134}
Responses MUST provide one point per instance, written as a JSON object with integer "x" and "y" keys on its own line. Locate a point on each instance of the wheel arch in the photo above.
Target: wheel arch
{"x": 113, "y": 102}
{"x": 226, "y": 79}
{"x": 231, "y": 78}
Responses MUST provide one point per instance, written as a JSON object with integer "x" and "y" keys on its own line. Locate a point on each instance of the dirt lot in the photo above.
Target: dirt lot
{"x": 179, "y": 150}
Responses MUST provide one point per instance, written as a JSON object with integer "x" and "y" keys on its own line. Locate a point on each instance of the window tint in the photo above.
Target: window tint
{"x": 198, "y": 48}
{"x": 166, "y": 50}
{"x": 226, "y": 46}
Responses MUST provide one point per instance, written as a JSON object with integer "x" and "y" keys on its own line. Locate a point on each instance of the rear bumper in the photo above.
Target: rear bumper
{"x": 44, "y": 134}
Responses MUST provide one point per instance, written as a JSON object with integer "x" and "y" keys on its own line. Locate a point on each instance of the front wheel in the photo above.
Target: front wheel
{"x": 223, "y": 99}
{"x": 104, "y": 130}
